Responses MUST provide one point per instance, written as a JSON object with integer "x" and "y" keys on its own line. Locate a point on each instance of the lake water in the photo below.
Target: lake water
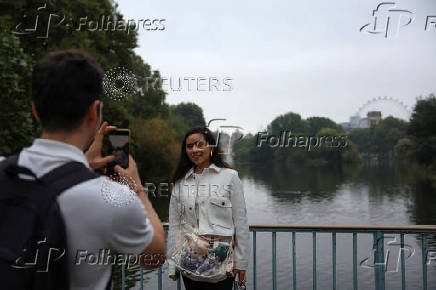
{"x": 306, "y": 196}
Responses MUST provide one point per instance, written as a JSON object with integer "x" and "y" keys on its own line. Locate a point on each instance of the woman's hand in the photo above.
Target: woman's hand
{"x": 242, "y": 277}
{"x": 93, "y": 154}
{"x": 174, "y": 277}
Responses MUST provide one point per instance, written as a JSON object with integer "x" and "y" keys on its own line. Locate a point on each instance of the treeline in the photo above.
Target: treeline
{"x": 329, "y": 144}
{"x": 380, "y": 140}
{"x": 412, "y": 141}
{"x": 392, "y": 138}
{"x": 406, "y": 143}
{"x": 419, "y": 144}
{"x": 156, "y": 126}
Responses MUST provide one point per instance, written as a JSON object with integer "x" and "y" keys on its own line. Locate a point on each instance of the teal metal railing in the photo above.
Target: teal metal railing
{"x": 378, "y": 233}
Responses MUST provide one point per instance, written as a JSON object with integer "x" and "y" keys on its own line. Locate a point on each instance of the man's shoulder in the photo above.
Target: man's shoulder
{"x": 101, "y": 193}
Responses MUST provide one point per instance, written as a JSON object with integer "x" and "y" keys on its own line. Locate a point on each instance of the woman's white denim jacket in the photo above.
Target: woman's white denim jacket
{"x": 221, "y": 211}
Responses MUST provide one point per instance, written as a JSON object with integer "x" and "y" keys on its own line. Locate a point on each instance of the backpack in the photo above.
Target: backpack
{"x": 33, "y": 245}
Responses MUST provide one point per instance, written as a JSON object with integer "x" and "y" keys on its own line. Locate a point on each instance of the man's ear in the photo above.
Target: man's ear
{"x": 35, "y": 113}
{"x": 93, "y": 113}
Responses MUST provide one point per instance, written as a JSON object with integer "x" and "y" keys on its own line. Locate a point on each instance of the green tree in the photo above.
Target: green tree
{"x": 185, "y": 116}
{"x": 363, "y": 139}
{"x": 17, "y": 129}
{"x": 422, "y": 130}
{"x": 288, "y": 122}
{"x": 404, "y": 150}
{"x": 333, "y": 154}
{"x": 149, "y": 98}
{"x": 156, "y": 147}
{"x": 317, "y": 123}
{"x": 191, "y": 113}
{"x": 387, "y": 133}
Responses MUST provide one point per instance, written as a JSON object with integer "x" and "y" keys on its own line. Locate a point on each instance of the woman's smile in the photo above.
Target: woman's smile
{"x": 198, "y": 150}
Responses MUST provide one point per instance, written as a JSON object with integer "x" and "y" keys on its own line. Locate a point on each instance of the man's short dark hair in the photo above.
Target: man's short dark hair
{"x": 64, "y": 85}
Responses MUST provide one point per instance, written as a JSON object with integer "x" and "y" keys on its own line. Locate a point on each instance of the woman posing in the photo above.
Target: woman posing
{"x": 208, "y": 236}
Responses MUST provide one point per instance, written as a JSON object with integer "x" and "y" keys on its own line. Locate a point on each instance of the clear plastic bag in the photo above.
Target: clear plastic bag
{"x": 205, "y": 257}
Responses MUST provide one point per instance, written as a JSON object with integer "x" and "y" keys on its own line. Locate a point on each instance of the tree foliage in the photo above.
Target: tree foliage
{"x": 17, "y": 128}
{"x": 191, "y": 113}
{"x": 184, "y": 117}
{"x": 381, "y": 138}
{"x": 141, "y": 110}
{"x": 422, "y": 131}
{"x": 156, "y": 147}
{"x": 292, "y": 135}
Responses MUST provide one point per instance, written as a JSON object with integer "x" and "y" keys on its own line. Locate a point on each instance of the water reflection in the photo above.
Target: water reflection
{"x": 388, "y": 191}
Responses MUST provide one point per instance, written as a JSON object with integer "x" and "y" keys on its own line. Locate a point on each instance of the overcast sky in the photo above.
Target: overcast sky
{"x": 308, "y": 56}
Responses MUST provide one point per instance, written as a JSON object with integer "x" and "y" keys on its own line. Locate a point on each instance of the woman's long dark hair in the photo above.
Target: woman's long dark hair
{"x": 185, "y": 163}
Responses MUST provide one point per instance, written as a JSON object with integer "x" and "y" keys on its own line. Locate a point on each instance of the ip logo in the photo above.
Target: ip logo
{"x": 225, "y": 137}
{"x": 394, "y": 266}
{"x": 387, "y": 21}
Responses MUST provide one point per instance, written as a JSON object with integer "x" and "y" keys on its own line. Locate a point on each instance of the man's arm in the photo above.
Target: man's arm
{"x": 154, "y": 255}
{"x": 156, "y": 249}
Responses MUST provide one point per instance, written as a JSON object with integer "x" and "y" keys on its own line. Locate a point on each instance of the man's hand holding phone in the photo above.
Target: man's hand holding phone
{"x": 131, "y": 173}
{"x": 93, "y": 154}
{"x": 118, "y": 145}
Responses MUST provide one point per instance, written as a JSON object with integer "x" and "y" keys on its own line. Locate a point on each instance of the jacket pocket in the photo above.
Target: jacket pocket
{"x": 220, "y": 212}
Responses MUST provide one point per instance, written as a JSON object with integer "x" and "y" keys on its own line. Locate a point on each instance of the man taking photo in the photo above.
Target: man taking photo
{"x": 67, "y": 90}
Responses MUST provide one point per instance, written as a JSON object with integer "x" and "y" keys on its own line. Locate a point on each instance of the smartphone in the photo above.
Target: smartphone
{"x": 119, "y": 146}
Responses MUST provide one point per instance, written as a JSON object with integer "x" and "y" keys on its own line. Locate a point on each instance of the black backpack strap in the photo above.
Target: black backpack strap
{"x": 65, "y": 177}
{"x": 68, "y": 175}
{"x": 9, "y": 160}
{"x": 11, "y": 167}
{"x": 58, "y": 179}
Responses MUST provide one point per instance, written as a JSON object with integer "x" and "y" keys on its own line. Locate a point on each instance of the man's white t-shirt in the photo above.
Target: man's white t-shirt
{"x": 93, "y": 223}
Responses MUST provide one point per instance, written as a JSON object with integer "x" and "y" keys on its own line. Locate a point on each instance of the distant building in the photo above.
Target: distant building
{"x": 363, "y": 123}
{"x": 354, "y": 121}
{"x": 372, "y": 119}
{"x": 346, "y": 126}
